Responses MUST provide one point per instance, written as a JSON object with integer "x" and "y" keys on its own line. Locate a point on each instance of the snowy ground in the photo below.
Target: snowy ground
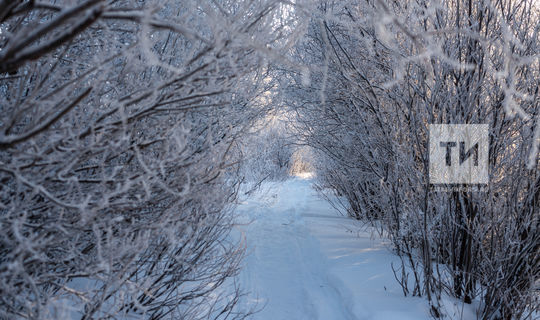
{"x": 305, "y": 261}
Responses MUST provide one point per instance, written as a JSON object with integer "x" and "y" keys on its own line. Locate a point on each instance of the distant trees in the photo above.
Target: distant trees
{"x": 268, "y": 151}
{"x": 119, "y": 122}
{"x": 381, "y": 72}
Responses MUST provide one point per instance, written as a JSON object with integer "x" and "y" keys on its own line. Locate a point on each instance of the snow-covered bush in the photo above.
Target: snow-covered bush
{"x": 117, "y": 125}
{"x": 381, "y": 72}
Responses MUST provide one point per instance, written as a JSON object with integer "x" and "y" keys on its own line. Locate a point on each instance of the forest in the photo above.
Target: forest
{"x": 130, "y": 130}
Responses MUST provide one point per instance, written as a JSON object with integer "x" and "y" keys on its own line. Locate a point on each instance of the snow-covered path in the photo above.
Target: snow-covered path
{"x": 305, "y": 261}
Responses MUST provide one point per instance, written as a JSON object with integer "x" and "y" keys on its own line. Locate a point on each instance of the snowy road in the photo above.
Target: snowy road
{"x": 305, "y": 261}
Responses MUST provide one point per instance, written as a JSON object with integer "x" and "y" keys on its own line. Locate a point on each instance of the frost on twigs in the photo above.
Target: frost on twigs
{"x": 381, "y": 73}
{"x": 118, "y": 127}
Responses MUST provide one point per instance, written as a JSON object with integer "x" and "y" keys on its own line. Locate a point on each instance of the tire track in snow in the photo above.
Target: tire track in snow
{"x": 285, "y": 266}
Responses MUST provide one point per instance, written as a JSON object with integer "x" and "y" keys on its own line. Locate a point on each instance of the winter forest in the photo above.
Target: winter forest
{"x": 266, "y": 159}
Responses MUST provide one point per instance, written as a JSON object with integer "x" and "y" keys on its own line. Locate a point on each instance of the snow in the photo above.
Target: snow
{"x": 306, "y": 261}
